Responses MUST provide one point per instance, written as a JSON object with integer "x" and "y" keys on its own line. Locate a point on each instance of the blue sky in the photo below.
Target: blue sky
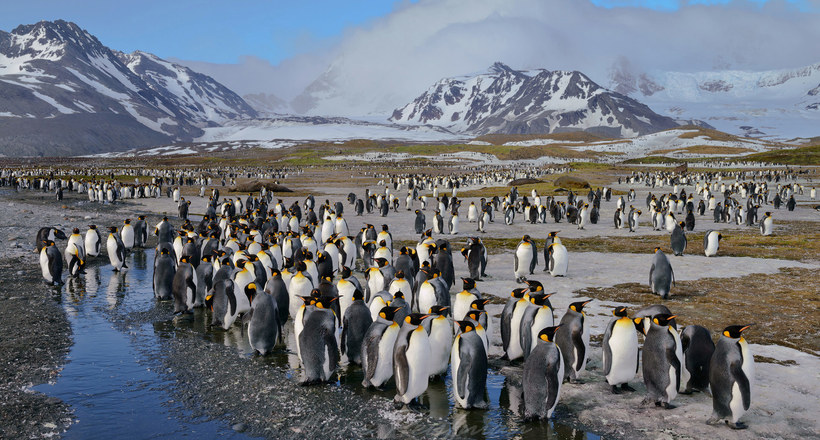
{"x": 222, "y": 31}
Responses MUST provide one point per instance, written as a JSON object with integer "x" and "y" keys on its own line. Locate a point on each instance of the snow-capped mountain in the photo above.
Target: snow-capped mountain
{"x": 504, "y": 100}
{"x": 63, "y": 92}
{"x": 775, "y": 102}
{"x": 267, "y": 104}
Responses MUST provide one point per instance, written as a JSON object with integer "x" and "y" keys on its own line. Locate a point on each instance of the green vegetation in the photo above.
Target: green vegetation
{"x": 790, "y": 156}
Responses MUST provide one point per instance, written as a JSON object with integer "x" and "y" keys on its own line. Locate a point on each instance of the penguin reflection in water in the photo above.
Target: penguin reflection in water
{"x": 731, "y": 372}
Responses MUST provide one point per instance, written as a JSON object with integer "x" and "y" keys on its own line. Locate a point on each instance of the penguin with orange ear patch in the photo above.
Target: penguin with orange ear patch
{"x": 731, "y": 373}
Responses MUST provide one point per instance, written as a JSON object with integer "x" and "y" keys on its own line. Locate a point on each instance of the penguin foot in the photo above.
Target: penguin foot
{"x": 616, "y": 390}
{"x": 686, "y": 391}
{"x": 628, "y": 388}
{"x": 398, "y": 404}
{"x": 575, "y": 381}
{"x": 665, "y": 405}
{"x": 738, "y": 425}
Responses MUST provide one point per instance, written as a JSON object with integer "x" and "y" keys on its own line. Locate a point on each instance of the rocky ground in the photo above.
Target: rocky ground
{"x": 783, "y": 404}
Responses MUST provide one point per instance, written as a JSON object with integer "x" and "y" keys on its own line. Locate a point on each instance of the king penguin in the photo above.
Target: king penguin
{"x": 318, "y": 348}
{"x": 116, "y": 250}
{"x": 662, "y": 362}
{"x": 264, "y": 328}
{"x": 93, "y": 241}
{"x": 661, "y": 275}
{"x": 731, "y": 373}
{"x": 711, "y": 242}
{"x": 526, "y": 257}
{"x": 573, "y": 339}
{"x": 511, "y": 323}
{"x": 543, "y": 376}
{"x": 377, "y": 348}
{"x": 410, "y": 364}
{"x": 678, "y": 240}
{"x": 537, "y": 316}
{"x": 51, "y": 263}
{"x": 696, "y": 343}
{"x": 440, "y": 331}
{"x": 766, "y": 224}
{"x": 184, "y": 286}
{"x": 355, "y": 323}
{"x": 164, "y": 272}
{"x": 620, "y": 351}
{"x": 468, "y": 362}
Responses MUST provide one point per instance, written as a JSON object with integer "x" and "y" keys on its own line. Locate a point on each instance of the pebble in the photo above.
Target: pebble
{"x": 239, "y": 427}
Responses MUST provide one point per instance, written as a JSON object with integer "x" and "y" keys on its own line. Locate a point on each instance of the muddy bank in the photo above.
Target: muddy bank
{"x": 35, "y": 340}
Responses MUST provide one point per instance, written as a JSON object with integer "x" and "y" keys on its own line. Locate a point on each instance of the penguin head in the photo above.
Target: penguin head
{"x": 385, "y": 228}
{"x": 164, "y": 251}
{"x": 403, "y": 250}
{"x": 127, "y": 221}
{"x": 346, "y": 272}
{"x": 113, "y": 229}
{"x": 400, "y": 275}
{"x": 579, "y": 306}
{"x": 75, "y": 231}
{"x": 415, "y": 319}
{"x": 315, "y": 293}
{"x": 387, "y": 313}
{"x": 479, "y": 304}
{"x": 526, "y": 238}
{"x": 307, "y": 300}
{"x": 474, "y": 314}
{"x": 465, "y": 326}
{"x": 301, "y": 266}
{"x": 398, "y": 294}
{"x": 619, "y": 311}
{"x": 534, "y": 286}
{"x": 735, "y": 331}
{"x": 439, "y": 310}
{"x": 357, "y": 295}
{"x": 325, "y": 302}
{"x": 468, "y": 283}
{"x": 250, "y": 291}
{"x": 92, "y": 227}
{"x": 183, "y": 259}
{"x": 657, "y": 249}
{"x": 540, "y": 299}
{"x": 382, "y": 262}
{"x": 548, "y": 334}
{"x": 663, "y": 319}
{"x": 519, "y": 292}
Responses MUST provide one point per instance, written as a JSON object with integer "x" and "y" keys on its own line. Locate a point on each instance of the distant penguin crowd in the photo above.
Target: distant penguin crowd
{"x": 257, "y": 262}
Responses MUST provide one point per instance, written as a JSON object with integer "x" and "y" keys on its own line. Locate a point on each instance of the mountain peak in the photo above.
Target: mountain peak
{"x": 512, "y": 101}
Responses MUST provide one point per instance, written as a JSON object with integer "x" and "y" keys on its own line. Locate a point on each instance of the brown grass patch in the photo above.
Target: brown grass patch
{"x": 784, "y": 306}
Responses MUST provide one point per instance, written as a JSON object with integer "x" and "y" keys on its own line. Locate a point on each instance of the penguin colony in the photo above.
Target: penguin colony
{"x": 257, "y": 263}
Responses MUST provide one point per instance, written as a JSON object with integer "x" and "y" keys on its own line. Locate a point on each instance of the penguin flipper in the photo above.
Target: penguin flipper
{"x": 344, "y": 336}
{"x": 607, "y": 354}
{"x": 578, "y": 343}
{"x": 673, "y": 360}
{"x": 401, "y": 371}
{"x": 651, "y": 271}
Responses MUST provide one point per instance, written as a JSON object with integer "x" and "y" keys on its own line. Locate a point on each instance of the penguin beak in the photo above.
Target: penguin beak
{"x": 744, "y": 328}
{"x": 675, "y": 316}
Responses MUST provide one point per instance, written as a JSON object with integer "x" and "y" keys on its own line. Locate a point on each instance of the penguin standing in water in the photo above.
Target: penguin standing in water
{"x": 573, "y": 339}
{"x": 511, "y": 317}
{"x": 184, "y": 286}
{"x": 766, "y": 224}
{"x": 468, "y": 361}
{"x": 140, "y": 232}
{"x": 662, "y": 362}
{"x": 711, "y": 241}
{"x": 410, "y": 363}
{"x": 93, "y": 241}
{"x": 318, "y": 349}
{"x": 165, "y": 269}
{"x": 75, "y": 258}
{"x": 127, "y": 234}
{"x": 697, "y": 345}
{"x": 678, "y": 240}
{"x": 731, "y": 373}
{"x": 355, "y": 323}
{"x": 661, "y": 276}
{"x": 543, "y": 376}
{"x": 377, "y": 349}
{"x": 264, "y": 328}
{"x": 116, "y": 250}
{"x": 620, "y": 351}
{"x": 526, "y": 257}
{"x": 51, "y": 263}
{"x": 440, "y": 332}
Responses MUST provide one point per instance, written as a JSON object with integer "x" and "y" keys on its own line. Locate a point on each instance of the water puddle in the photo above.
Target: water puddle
{"x": 113, "y": 384}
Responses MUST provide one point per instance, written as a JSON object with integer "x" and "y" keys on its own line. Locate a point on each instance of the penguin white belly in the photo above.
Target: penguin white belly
{"x": 44, "y": 266}
{"x": 299, "y": 286}
{"x": 376, "y": 282}
{"x": 524, "y": 255}
{"x": 560, "y": 259}
{"x": 427, "y": 297}
{"x": 623, "y": 344}
{"x": 346, "y": 289}
{"x": 113, "y": 258}
{"x": 454, "y": 225}
{"x": 455, "y": 364}
{"x": 384, "y": 365}
{"x": 298, "y": 327}
{"x": 417, "y": 351}
{"x": 461, "y": 306}
{"x": 585, "y": 339}
{"x": 441, "y": 339}
{"x": 671, "y": 390}
{"x": 514, "y": 350}
{"x": 712, "y": 246}
{"x": 543, "y": 319}
{"x": 128, "y": 236}
{"x": 376, "y": 305}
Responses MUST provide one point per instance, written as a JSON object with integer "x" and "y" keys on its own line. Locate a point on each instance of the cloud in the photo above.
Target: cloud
{"x": 388, "y": 62}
